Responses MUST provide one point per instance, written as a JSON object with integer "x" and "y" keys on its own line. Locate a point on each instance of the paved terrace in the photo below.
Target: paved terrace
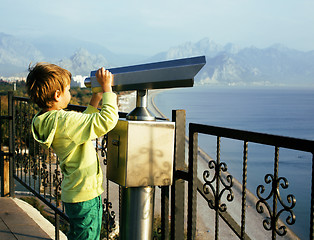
{"x": 19, "y": 220}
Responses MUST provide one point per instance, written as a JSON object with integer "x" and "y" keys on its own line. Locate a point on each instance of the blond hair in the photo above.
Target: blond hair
{"x": 43, "y": 80}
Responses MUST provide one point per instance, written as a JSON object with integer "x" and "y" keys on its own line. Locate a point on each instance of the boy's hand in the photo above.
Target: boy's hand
{"x": 105, "y": 79}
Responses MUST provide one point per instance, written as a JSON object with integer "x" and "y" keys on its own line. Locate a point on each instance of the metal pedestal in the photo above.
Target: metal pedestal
{"x": 137, "y": 213}
{"x": 138, "y": 202}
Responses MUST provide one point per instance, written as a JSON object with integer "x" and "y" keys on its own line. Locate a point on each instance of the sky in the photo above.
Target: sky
{"x": 149, "y": 27}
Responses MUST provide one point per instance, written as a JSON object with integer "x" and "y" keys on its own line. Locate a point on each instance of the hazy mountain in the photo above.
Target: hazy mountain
{"x": 56, "y": 48}
{"x": 226, "y": 64}
{"x": 203, "y": 47}
{"x": 16, "y": 55}
{"x": 231, "y": 65}
{"x": 83, "y": 62}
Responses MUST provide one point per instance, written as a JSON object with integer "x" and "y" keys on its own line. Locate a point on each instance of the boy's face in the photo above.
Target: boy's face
{"x": 65, "y": 97}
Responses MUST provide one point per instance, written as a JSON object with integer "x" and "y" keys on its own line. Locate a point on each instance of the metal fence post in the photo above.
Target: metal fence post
{"x": 192, "y": 185}
{"x": 165, "y": 212}
{"x": 312, "y": 201}
{"x": 5, "y": 183}
{"x": 11, "y": 112}
{"x": 177, "y": 188}
{"x": 57, "y": 226}
{"x": 4, "y": 163}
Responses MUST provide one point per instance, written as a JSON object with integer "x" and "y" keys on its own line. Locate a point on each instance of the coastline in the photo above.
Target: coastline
{"x": 205, "y": 215}
{"x": 151, "y": 100}
{"x": 254, "y": 227}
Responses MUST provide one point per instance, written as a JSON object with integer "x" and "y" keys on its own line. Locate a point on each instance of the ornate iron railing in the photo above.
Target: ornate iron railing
{"x": 217, "y": 186}
{"x": 37, "y": 170}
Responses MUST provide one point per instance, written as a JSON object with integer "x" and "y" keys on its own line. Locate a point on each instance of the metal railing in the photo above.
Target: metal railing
{"x": 37, "y": 170}
{"x": 220, "y": 182}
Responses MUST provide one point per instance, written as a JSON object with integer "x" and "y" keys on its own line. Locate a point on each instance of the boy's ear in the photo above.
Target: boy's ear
{"x": 57, "y": 95}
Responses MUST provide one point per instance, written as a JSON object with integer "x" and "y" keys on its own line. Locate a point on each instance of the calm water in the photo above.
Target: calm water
{"x": 286, "y": 112}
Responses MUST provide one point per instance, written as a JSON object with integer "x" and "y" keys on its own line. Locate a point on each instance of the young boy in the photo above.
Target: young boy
{"x": 69, "y": 134}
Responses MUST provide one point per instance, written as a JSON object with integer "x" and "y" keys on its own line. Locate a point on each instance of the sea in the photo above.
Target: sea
{"x": 273, "y": 110}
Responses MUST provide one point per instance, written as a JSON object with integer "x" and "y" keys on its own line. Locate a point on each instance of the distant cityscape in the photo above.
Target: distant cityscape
{"x": 76, "y": 81}
{"x": 12, "y": 79}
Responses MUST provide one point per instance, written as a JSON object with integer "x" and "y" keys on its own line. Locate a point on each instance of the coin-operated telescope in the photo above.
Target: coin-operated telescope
{"x": 140, "y": 149}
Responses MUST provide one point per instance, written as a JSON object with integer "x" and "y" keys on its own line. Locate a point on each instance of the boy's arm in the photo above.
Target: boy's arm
{"x": 93, "y": 104}
{"x": 94, "y": 101}
{"x": 82, "y": 127}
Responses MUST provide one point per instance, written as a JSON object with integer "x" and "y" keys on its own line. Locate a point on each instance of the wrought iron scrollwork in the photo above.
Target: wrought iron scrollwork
{"x": 103, "y": 149}
{"x": 44, "y": 175}
{"x": 57, "y": 180}
{"x": 271, "y": 222}
{"x": 108, "y": 215}
{"x": 209, "y": 185}
{"x": 158, "y": 232}
{"x": 25, "y": 163}
{"x": 34, "y": 167}
{"x": 18, "y": 158}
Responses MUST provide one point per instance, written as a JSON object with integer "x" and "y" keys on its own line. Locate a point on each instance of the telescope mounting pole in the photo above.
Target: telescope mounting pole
{"x": 137, "y": 208}
{"x": 141, "y": 112}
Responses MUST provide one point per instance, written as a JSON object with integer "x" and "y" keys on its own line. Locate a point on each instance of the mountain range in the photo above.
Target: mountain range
{"x": 227, "y": 64}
